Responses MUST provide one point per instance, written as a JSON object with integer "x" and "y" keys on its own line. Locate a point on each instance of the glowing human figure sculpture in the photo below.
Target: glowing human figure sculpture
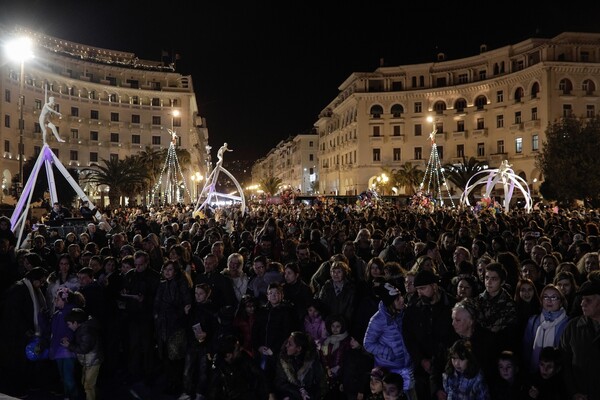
{"x": 45, "y": 122}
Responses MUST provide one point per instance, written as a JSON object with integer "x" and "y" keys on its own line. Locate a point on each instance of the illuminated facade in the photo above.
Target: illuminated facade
{"x": 492, "y": 106}
{"x": 113, "y": 105}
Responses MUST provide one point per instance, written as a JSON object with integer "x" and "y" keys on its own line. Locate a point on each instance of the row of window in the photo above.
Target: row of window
{"x": 460, "y": 149}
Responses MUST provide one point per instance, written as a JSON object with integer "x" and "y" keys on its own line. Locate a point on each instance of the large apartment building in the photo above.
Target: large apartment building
{"x": 113, "y": 105}
{"x": 492, "y": 106}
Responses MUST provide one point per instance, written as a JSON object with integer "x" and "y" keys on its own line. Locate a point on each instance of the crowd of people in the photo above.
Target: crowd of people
{"x": 296, "y": 301}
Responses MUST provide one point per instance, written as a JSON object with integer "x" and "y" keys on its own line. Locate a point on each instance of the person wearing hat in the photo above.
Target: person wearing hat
{"x": 428, "y": 331}
{"x": 384, "y": 338}
{"x": 579, "y": 346}
{"x": 376, "y": 383}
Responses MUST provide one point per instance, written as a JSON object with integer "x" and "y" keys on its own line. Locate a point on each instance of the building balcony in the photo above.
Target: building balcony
{"x": 375, "y": 139}
{"x": 479, "y": 133}
{"x": 532, "y": 124}
{"x": 516, "y": 127}
{"x": 398, "y": 139}
{"x": 459, "y": 135}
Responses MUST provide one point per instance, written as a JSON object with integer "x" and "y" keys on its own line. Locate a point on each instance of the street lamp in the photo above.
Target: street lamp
{"x": 174, "y": 115}
{"x": 20, "y": 50}
{"x": 196, "y": 179}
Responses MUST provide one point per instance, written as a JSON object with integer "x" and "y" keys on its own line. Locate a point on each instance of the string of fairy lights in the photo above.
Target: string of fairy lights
{"x": 171, "y": 194}
{"x": 434, "y": 173}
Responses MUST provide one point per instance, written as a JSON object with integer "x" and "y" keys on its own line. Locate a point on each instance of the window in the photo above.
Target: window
{"x": 311, "y": 157}
{"x": 534, "y": 114}
{"x": 114, "y": 117}
{"x": 519, "y": 145}
{"x": 75, "y": 111}
{"x": 114, "y": 157}
{"x": 460, "y": 126}
{"x": 6, "y": 121}
{"x": 499, "y": 96}
{"x": 397, "y": 110}
{"x": 36, "y": 150}
{"x": 7, "y": 145}
{"x": 480, "y": 102}
{"x": 74, "y": 155}
{"x": 567, "y": 110}
{"x": 135, "y": 100}
{"x": 311, "y": 143}
{"x": 518, "y": 117}
{"x": 156, "y": 120}
{"x": 93, "y": 156}
{"x": 588, "y": 86}
{"x": 376, "y": 154}
{"x": 396, "y": 130}
{"x": 460, "y": 150}
{"x": 376, "y": 111}
{"x": 418, "y": 129}
{"x": 7, "y": 95}
{"x": 113, "y": 98}
{"x": 500, "y": 121}
{"x": 156, "y": 140}
{"x": 500, "y": 147}
{"x": 480, "y": 150}
{"x": 418, "y": 153}
{"x": 418, "y": 107}
{"x": 74, "y": 133}
{"x": 396, "y": 153}
{"x": 584, "y": 56}
{"x": 176, "y": 121}
{"x": 460, "y": 105}
{"x": 94, "y": 114}
{"x": 439, "y": 107}
{"x": 565, "y": 86}
{"x": 135, "y": 119}
{"x": 480, "y": 123}
{"x": 94, "y": 135}
{"x": 440, "y": 151}
{"x": 114, "y": 137}
{"x": 38, "y": 104}
{"x": 36, "y": 128}
{"x": 439, "y": 127}
{"x": 535, "y": 142}
{"x": 55, "y": 151}
{"x": 590, "y": 110}
{"x": 376, "y": 131}
{"x": 155, "y": 102}
{"x": 482, "y": 75}
{"x": 135, "y": 139}
{"x": 463, "y": 78}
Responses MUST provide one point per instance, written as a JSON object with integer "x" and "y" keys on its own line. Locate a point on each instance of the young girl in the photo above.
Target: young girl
{"x": 333, "y": 349}
{"x": 462, "y": 378}
{"x": 376, "y": 383}
{"x": 314, "y": 324}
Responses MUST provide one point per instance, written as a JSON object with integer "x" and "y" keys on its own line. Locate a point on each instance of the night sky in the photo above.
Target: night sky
{"x": 263, "y": 72}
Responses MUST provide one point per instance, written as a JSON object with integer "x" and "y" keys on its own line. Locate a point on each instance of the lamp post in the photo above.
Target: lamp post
{"x": 20, "y": 50}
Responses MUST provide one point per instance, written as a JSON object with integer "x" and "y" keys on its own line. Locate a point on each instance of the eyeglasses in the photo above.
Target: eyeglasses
{"x": 551, "y": 298}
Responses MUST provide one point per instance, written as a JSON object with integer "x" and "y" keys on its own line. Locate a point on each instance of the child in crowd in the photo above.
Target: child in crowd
{"x": 376, "y": 383}
{"x": 87, "y": 346}
{"x": 507, "y": 384}
{"x": 547, "y": 382}
{"x": 393, "y": 385}
{"x": 314, "y": 324}
{"x": 64, "y": 301}
{"x": 462, "y": 378}
{"x": 333, "y": 350}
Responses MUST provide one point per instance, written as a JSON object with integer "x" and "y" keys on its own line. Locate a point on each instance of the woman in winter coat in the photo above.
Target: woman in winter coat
{"x": 299, "y": 372}
{"x": 384, "y": 337}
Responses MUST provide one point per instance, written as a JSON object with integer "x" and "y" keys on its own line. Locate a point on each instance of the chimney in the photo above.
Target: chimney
{"x": 482, "y": 48}
{"x": 441, "y": 56}
{"x": 381, "y": 62}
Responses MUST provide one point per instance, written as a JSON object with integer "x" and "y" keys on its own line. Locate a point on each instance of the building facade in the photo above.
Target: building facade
{"x": 113, "y": 105}
{"x": 294, "y": 161}
{"x": 494, "y": 106}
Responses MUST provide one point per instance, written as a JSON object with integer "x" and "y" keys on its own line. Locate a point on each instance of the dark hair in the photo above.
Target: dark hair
{"x": 227, "y": 344}
{"x": 76, "y": 315}
{"x": 293, "y": 266}
{"x": 301, "y": 339}
{"x": 336, "y": 318}
{"x": 497, "y": 268}
{"x": 462, "y": 349}
{"x": 551, "y": 354}
{"x": 392, "y": 378}
{"x": 206, "y": 287}
{"x": 87, "y": 271}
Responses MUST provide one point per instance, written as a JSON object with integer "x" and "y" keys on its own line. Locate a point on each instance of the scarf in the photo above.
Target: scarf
{"x": 334, "y": 341}
{"x": 35, "y": 299}
{"x": 544, "y": 336}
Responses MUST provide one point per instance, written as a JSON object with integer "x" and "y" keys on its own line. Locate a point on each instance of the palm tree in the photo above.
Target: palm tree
{"x": 460, "y": 174}
{"x": 123, "y": 177}
{"x": 270, "y": 185}
{"x": 154, "y": 161}
{"x": 408, "y": 176}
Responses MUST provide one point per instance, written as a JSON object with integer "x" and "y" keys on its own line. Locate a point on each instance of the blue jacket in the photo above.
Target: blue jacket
{"x": 384, "y": 340}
